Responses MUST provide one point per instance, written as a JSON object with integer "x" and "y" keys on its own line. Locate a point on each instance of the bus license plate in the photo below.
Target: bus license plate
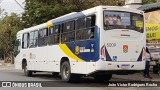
{"x": 125, "y": 66}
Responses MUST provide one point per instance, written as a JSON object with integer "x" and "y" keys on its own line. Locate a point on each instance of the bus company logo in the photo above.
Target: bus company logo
{"x": 125, "y": 48}
{"x": 6, "y": 84}
{"x": 77, "y": 49}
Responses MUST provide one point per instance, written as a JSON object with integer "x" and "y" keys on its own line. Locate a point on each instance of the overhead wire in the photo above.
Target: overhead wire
{"x": 16, "y": 2}
{"x": 19, "y": 4}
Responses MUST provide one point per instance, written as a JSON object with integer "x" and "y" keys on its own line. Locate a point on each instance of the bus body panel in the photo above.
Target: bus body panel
{"x": 85, "y": 56}
{"x": 118, "y": 51}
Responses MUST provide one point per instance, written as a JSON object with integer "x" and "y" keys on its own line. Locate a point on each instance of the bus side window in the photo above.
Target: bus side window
{"x": 85, "y": 28}
{"x": 43, "y": 37}
{"x": 54, "y": 33}
{"x": 66, "y": 28}
{"x": 51, "y": 30}
{"x": 51, "y": 35}
{"x": 81, "y": 23}
{"x": 80, "y": 26}
{"x": 25, "y": 41}
{"x": 72, "y": 33}
{"x": 33, "y": 39}
{"x": 45, "y": 32}
{"x": 68, "y": 34}
{"x": 90, "y": 27}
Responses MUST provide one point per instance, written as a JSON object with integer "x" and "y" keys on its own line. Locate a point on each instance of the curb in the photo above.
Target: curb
{"x": 6, "y": 66}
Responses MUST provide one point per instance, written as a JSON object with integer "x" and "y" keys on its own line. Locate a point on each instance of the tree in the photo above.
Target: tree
{"x": 148, "y": 1}
{"x": 40, "y": 11}
{"x": 10, "y": 25}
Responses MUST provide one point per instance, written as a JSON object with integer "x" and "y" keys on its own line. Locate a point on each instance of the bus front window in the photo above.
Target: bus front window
{"x": 123, "y": 20}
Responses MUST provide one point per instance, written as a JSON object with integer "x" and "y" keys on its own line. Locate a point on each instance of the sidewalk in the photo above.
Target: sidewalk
{"x": 6, "y": 66}
{"x": 137, "y": 77}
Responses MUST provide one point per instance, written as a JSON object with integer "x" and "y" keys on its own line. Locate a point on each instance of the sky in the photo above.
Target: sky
{"x": 11, "y": 6}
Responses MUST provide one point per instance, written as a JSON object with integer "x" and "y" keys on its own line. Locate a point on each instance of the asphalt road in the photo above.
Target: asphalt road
{"x": 83, "y": 84}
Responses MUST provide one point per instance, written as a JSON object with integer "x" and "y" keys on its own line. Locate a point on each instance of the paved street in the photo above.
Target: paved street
{"x": 8, "y": 73}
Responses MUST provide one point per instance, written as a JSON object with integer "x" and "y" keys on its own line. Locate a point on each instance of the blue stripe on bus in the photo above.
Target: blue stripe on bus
{"x": 88, "y": 49}
{"x": 108, "y": 58}
{"x": 140, "y": 56}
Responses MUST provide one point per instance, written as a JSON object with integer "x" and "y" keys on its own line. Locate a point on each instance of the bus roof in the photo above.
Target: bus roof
{"x": 33, "y": 28}
{"x": 75, "y": 15}
{"x": 89, "y": 12}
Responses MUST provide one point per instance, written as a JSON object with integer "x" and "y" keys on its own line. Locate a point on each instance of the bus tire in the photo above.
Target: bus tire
{"x": 103, "y": 78}
{"x": 27, "y": 72}
{"x": 66, "y": 74}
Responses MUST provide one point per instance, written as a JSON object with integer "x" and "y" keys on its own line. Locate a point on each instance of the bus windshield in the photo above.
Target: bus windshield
{"x": 123, "y": 20}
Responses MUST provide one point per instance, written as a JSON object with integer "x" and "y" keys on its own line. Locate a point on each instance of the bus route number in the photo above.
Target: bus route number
{"x": 111, "y": 44}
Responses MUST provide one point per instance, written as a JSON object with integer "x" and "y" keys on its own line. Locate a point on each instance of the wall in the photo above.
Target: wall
{"x": 152, "y": 20}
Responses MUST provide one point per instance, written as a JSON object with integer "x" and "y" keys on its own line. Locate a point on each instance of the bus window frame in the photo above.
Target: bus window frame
{"x": 34, "y": 39}
{"x": 72, "y": 31}
{"x": 44, "y": 36}
{"x": 53, "y": 34}
{"x": 28, "y": 36}
{"x": 94, "y": 27}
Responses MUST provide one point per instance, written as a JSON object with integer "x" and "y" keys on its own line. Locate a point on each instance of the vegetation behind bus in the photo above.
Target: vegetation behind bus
{"x": 10, "y": 25}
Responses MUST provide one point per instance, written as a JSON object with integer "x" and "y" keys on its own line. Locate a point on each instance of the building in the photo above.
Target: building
{"x": 152, "y": 20}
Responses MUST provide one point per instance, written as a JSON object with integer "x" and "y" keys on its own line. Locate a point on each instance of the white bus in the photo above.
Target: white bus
{"x": 97, "y": 42}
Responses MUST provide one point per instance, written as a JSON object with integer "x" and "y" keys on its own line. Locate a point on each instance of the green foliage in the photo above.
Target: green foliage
{"x": 10, "y": 25}
{"x": 148, "y": 1}
{"x": 40, "y": 11}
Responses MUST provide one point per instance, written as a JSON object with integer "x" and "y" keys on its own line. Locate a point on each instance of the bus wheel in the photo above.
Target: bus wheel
{"x": 103, "y": 78}
{"x": 66, "y": 73}
{"x": 27, "y": 72}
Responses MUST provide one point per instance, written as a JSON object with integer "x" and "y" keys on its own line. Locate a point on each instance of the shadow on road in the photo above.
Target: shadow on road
{"x": 55, "y": 81}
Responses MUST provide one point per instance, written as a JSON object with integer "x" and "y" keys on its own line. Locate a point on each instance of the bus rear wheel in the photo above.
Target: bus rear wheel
{"x": 66, "y": 74}
{"x": 27, "y": 72}
{"x": 103, "y": 78}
